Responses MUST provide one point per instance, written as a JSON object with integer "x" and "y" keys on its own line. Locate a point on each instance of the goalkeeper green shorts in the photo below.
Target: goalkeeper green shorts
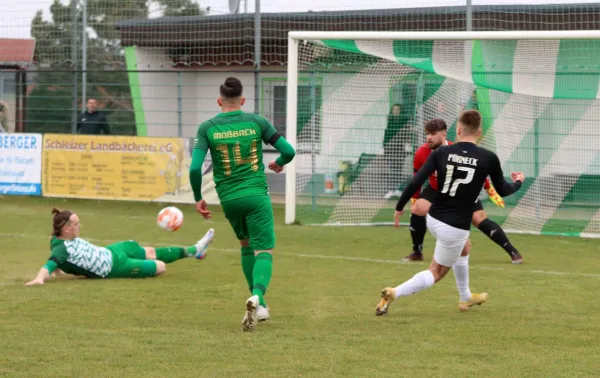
{"x": 252, "y": 218}
{"x": 129, "y": 261}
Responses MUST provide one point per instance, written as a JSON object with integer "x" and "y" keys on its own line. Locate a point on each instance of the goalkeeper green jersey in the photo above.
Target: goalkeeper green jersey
{"x": 81, "y": 258}
{"x": 235, "y": 141}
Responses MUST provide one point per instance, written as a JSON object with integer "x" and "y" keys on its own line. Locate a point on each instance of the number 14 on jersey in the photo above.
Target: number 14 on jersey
{"x": 229, "y": 163}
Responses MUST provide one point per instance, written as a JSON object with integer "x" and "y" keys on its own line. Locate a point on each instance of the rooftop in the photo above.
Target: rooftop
{"x": 229, "y": 39}
{"x": 16, "y": 53}
{"x": 398, "y": 12}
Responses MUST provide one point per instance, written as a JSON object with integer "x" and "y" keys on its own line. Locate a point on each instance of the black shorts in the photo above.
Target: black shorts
{"x": 478, "y": 205}
{"x": 429, "y": 194}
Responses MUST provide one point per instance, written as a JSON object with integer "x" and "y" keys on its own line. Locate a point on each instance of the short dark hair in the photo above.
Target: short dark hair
{"x": 60, "y": 219}
{"x": 231, "y": 88}
{"x": 471, "y": 119}
{"x": 435, "y": 125}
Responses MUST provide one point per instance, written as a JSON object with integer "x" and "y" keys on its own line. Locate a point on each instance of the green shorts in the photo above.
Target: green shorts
{"x": 129, "y": 261}
{"x": 252, "y": 218}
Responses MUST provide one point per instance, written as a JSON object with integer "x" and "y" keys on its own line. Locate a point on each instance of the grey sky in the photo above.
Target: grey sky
{"x": 16, "y": 15}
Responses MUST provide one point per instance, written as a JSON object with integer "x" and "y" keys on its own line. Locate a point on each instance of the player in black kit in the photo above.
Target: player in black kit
{"x": 461, "y": 169}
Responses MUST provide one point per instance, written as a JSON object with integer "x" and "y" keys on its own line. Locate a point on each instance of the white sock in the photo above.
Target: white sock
{"x": 420, "y": 281}
{"x": 461, "y": 274}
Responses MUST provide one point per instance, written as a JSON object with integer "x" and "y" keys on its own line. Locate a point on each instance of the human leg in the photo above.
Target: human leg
{"x": 129, "y": 261}
{"x": 461, "y": 275}
{"x": 126, "y": 267}
{"x": 248, "y": 261}
{"x": 493, "y": 231}
{"x": 418, "y": 224}
{"x": 171, "y": 254}
{"x": 240, "y": 213}
{"x": 449, "y": 244}
{"x": 235, "y": 212}
{"x": 134, "y": 250}
{"x": 262, "y": 241}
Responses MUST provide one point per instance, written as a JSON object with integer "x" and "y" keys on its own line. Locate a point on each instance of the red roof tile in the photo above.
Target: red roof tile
{"x": 16, "y": 52}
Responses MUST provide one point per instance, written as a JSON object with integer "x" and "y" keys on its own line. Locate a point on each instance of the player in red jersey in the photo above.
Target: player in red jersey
{"x": 436, "y": 130}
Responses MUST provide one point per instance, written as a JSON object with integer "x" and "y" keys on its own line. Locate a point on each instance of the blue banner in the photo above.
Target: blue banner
{"x": 21, "y": 164}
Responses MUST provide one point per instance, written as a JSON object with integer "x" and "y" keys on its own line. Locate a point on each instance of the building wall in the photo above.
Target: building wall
{"x": 352, "y": 118}
{"x": 160, "y": 95}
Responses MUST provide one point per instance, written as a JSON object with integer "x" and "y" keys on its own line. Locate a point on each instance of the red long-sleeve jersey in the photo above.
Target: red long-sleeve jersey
{"x": 421, "y": 157}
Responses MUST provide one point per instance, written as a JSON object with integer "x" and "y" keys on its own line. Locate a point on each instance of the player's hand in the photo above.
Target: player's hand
{"x": 274, "y": 167}
{"x": 517, "y": 176}
{"x": 495, "y": 197}
{"x": 397, "y": 215}
{"x": 202, "y": 208}
{"x": 37, "y": 281}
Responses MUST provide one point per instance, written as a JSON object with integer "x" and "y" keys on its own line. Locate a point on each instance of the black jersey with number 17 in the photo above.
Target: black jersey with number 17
{"x": 461, "y": 170}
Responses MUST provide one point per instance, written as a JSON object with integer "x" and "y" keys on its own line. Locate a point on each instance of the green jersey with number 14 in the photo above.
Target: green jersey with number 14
{"x": 235, "y": 143}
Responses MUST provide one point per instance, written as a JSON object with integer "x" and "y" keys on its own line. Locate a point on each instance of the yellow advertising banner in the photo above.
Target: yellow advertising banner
{"x": 117, "y": 167}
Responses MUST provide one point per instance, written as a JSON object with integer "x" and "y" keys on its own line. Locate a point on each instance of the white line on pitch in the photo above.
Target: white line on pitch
{"x": 343, "y": 258}
{"x": 477, "y": 267}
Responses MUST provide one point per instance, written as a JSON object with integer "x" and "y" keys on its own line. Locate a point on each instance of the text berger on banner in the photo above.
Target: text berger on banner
{"x": 21, "y": 164}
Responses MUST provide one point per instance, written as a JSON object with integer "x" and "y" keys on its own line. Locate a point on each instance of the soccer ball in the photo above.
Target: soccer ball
{"x": 170, "y": 218}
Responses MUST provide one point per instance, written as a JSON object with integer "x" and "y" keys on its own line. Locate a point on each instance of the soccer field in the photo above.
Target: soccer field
{"x": 541, "y": 320}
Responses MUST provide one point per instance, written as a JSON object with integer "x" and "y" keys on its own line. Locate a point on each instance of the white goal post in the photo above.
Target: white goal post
{"x": 529, "y": 75}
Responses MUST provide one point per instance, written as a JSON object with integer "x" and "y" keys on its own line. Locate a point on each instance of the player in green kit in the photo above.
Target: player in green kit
{"x": 235, "y": 140}
{"x": 127, "y": 259}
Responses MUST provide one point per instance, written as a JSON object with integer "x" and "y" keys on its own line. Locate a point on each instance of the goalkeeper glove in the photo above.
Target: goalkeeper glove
{"x": 412, "y": 201}
{"x": 495, "y": 197}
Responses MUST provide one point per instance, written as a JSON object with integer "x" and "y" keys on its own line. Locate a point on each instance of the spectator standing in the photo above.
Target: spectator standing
{"x": 397, "y": 144}
{"x": 92, "y": 121}
{"x": 4, "y": 117}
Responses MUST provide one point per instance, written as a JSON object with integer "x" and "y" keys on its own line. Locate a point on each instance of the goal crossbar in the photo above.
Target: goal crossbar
{"x": 448, "y": 36}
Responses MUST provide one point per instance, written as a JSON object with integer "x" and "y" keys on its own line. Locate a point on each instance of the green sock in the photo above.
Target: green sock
{"x": 248, "y": 264}
{"x": 170, "y": 254}
{"x": 190, "y": 251}
{"x": 263, "y": 268}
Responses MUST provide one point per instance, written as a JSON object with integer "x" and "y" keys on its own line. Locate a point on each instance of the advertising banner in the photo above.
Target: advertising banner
{"x": 21, "y": 164}
{"x": 117, "y": 167}
{"x": 184, "y": 193}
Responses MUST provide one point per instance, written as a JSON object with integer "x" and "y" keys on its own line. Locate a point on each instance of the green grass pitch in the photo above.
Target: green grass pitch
{"x": 542, "y": 319}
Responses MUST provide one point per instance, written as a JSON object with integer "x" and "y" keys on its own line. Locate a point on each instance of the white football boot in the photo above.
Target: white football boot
{"x": 262, "y": 314}
{"x": 202, "y": 244}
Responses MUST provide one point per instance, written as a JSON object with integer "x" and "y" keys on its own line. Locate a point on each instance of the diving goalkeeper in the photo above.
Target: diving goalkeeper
{"x": 436, "y": 136}
{"x": 235, "y": 139}
{"x": 127, "y": 259}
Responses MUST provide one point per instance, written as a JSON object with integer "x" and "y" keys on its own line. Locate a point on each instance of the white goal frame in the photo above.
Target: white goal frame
{"x": 295, "y": 37}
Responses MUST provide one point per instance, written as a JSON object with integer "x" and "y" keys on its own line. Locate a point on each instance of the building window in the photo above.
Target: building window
{"x": 308, "y": 113}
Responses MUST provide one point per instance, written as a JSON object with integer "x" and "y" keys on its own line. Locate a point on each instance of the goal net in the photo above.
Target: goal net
{"x": 357, "y": 103}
